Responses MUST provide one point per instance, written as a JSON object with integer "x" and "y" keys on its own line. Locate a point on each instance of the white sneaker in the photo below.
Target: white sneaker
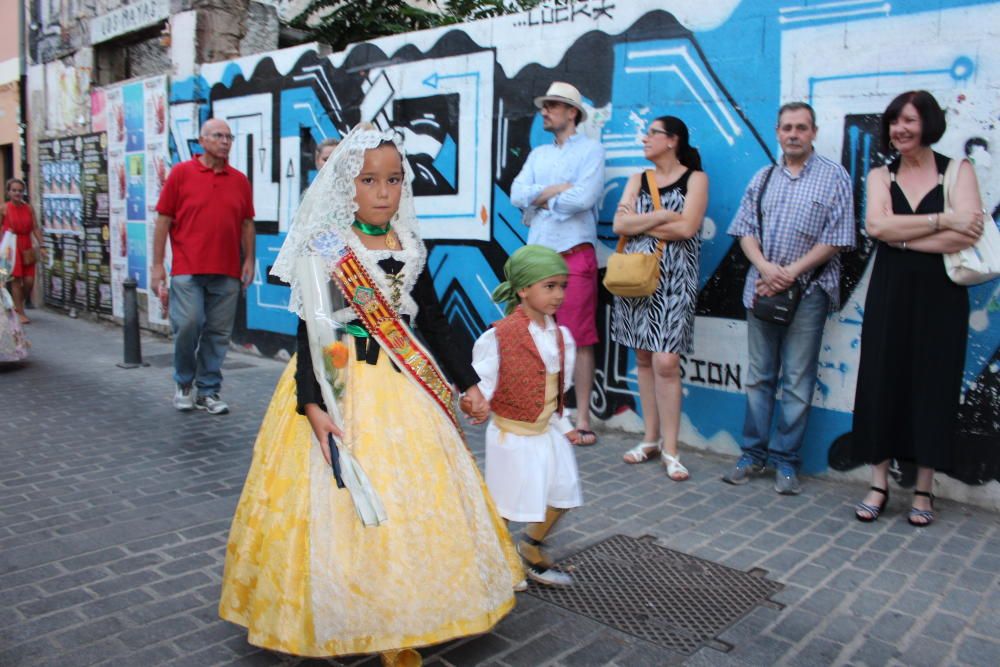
{"x": 547, "y": 576}
{"x": 183, "y": 399}
{"x": 212, "y": 404}
{"x": 521, "y": 586}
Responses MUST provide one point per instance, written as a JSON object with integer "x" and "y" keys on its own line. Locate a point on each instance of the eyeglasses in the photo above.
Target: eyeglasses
{"x": 651, "y": 131}
{"x": 219, "y": 136}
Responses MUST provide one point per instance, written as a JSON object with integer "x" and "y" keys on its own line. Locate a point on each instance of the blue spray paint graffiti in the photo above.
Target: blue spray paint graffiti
{"x": 463, "y": 100}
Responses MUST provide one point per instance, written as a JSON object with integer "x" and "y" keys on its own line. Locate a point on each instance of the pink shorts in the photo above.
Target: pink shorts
{"x": 578, "y": 312}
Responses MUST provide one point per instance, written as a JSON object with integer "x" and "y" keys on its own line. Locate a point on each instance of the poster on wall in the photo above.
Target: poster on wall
{"x": 74, "y": 213}
{"x": 53, "y": 287}
{"x": 62, "y": 204}
{"x": 137, "y": 168}
{"x": 95, "y": 250}
{"x": 74, "y": 210}
{"x": 74, "y": 284}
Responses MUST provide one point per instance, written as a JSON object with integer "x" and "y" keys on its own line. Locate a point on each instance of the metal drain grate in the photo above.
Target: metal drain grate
{"x": 666, "y": 597}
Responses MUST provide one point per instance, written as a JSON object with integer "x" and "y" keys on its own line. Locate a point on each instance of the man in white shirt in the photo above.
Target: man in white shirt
{"x": 559, "y": 189}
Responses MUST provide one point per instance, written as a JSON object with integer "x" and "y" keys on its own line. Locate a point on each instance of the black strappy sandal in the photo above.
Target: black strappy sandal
{"x": 926, "y": 515}
{"x": 872, "y": 510}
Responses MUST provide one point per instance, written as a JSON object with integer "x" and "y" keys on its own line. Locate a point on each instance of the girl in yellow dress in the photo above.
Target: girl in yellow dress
{"x": 364, "y": 525}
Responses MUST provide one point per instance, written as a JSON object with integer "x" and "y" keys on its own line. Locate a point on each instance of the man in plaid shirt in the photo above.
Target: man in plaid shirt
{"x": 808, "y": 219}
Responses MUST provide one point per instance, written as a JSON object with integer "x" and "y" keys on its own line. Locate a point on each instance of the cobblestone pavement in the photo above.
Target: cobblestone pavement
{"x": 114, "y": 511}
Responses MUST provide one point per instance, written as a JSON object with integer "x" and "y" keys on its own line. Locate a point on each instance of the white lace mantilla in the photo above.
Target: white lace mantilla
{"x": 322, "y": 225}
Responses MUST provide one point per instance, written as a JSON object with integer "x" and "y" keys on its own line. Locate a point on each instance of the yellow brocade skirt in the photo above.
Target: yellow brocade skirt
{"x": 303, "y": 574}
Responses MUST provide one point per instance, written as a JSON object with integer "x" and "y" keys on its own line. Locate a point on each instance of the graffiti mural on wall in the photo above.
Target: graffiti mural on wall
{"x": 462, "y": 100}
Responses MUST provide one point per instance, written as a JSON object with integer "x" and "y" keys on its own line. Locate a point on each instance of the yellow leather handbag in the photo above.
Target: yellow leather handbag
{"x": 633, "y": 275}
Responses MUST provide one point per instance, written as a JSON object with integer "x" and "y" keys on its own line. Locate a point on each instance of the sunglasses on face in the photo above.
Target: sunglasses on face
{"x": 654, "y": 131}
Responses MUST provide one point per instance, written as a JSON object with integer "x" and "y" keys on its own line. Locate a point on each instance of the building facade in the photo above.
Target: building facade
{"x": 11, "y": 71}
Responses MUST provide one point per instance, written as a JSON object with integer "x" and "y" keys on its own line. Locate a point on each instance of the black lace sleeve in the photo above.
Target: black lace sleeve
{"x": 452, "y": 352}
{"x": 306, "y": 386}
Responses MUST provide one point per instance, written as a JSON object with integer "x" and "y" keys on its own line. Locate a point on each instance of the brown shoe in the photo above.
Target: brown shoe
{"x": 404, "y": 657}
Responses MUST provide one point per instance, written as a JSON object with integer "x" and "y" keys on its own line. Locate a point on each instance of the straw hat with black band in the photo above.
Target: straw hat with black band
{"x": 566, "y": 93}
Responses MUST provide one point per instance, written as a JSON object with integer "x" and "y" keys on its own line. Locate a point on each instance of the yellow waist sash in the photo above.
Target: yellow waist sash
{"x": 540, "y": 425}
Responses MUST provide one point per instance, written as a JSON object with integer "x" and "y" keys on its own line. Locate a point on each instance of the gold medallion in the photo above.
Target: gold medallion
{"x": 392, "y": 240}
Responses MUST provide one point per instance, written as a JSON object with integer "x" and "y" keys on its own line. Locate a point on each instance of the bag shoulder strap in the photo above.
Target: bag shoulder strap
{"x": 654, "y": 195}
{"x": 654, "y": 191}
{"x": 760, "y": 219}
{"x": 760, "y": 204}
{"x": 949, "y": 180}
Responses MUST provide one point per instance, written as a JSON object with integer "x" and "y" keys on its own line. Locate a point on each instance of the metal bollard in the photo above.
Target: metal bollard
{"x": 133, "y": 349}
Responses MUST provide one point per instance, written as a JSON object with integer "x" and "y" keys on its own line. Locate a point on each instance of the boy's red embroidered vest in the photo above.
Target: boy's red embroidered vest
{"x": 520, "y": 392}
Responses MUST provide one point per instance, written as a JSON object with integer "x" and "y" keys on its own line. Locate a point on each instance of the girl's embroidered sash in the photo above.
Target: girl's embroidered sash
{"x": 398, "y": 341}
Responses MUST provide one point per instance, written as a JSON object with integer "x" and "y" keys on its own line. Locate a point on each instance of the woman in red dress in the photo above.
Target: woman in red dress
{"x": 17, "y": 216}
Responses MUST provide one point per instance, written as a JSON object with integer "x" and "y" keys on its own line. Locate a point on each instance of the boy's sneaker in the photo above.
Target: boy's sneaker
{"x": 786, "y": 482}
{"x": 542, "y": 573}
{"x": 547, "y": 576}
{"x": 183, "y": 399}
{"x": 745, "y": 468}
{"x": 212, "y": 404}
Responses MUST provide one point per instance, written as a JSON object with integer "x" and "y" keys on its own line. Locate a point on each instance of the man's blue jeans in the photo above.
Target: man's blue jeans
{"x": 202, "y": 312}
{"x": 791, "y": 351}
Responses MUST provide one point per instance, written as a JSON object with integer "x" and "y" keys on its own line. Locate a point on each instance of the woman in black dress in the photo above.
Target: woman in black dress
{"x": 916, "y": 319}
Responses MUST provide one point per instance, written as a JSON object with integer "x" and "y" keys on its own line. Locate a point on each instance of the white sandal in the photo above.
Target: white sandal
{"x": 641, "y": 452}
{"x": 675, "y": 469}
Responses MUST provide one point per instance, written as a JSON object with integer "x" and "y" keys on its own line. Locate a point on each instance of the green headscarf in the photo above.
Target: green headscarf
{"x": 524, "y": 268}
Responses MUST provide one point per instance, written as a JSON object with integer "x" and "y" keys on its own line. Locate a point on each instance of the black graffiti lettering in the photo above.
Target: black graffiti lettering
{"x": 563, "y": 11}
{"x": 733, "y": 374}
{"x": 714, "y": 373}
{"x": 602, "y": 8}
{"x": 552, "y": 16}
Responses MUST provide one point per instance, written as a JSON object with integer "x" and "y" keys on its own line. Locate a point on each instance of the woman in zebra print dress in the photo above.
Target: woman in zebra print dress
{"x": 660, "y": 327}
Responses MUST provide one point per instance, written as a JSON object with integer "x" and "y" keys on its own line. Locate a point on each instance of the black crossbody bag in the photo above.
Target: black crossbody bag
{"x": 780, "y": 308}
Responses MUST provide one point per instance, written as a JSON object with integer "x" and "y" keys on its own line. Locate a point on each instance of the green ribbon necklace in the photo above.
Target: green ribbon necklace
{"x": 371, "y": 230}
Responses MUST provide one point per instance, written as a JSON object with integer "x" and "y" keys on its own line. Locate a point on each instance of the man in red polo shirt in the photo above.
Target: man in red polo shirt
{"x": 206, "y": 208}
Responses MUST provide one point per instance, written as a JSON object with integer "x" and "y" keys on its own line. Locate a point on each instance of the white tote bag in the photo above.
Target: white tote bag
{"x": 8, "y": 252}
{"x": 978, "y": 263}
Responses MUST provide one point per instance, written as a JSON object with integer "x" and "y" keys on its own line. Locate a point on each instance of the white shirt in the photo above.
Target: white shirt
{"x": 571, "y": 216}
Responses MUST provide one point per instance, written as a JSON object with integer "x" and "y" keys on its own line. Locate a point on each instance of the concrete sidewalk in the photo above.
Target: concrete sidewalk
{"x": 114, "y": 511}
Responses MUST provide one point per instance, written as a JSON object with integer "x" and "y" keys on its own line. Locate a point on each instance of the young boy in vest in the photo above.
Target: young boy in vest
{"x": 525, "y": 365}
